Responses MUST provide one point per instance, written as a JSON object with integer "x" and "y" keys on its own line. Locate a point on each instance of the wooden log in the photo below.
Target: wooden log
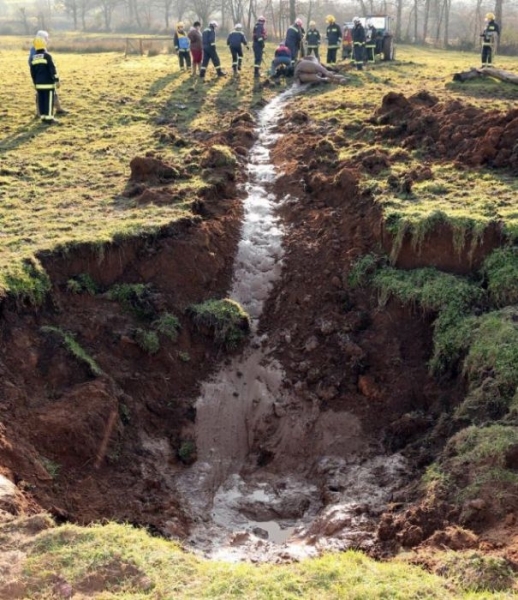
{"x": 474, "y": 73}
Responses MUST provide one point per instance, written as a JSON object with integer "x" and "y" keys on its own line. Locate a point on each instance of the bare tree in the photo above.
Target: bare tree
{"x": 205, "y": 9}
{"x": 24, "y": 18}
{"x": 107, "y": 8}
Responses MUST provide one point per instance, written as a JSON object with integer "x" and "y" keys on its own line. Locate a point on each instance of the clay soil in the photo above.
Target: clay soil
{"x": 72, "y": 441}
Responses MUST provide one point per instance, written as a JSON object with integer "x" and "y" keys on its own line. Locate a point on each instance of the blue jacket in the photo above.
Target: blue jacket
{"x": 208, "y": 37}
{"x": 236, "y": 38}
{"x": 293, "y": 37}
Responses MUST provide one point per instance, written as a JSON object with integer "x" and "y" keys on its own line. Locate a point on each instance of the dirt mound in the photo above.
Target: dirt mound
{"x": 450, "y": 129}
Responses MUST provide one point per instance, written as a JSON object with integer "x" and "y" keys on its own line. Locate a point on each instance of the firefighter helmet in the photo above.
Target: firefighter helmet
{"x": 330, "y": 19}
{"x": 42, "y": 34}
{"x": 490, "y": 17}
{"x": 213, "y": 24}
{"x": 238, "y": 26}
{"x": 39, "y": 43}
{"x": 179, "y": 25}
{"x": 261, "y": 19}
{"x": 356, "y": 20}
{"x": 298, "y": 22}
{"x": 312, "y": 24}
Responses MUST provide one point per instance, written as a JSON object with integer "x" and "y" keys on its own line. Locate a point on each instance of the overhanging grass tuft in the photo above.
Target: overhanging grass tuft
{"x": 76, "y": 350}
{"x": 225, "y": 319}
{"x": 26, "y": 280}
{"x": 501, "y": 270}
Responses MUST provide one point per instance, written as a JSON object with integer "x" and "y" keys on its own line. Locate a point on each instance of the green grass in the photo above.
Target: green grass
{"x": 226, "y": 320}
{"x": 467, "y": 199}
{"x": 74, "y": 348}
{"x": 65, "y": 185}
{"x": 118, "y": 561}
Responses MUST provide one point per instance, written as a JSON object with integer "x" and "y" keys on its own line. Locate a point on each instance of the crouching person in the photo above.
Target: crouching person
{"x": 309, "y": 70}
{"x": 281, "y": 63}
{"x": 45, "y": 78}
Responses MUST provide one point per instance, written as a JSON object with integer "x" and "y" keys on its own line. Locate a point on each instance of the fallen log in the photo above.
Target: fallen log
{"x": 474, "y": 73}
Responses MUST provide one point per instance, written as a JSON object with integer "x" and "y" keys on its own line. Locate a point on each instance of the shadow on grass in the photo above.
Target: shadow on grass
{"x": 490, "y": 89}
{"x": 23, "y": 135}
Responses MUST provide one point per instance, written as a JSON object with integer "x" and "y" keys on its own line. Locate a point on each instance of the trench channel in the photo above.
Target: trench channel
{"x": 325, "y": 481}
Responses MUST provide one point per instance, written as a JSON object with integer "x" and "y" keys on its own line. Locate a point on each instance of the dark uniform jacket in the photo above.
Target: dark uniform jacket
{"x": 358, "y": 34}
{"x": 43, "y": 71}
{"x": 313, "y": 38}
{"x": 333, "y": 35}
{"x": 259, "y": 33}
{"x": 208, "y": 37}
{"x": 293, "y": 37}
{"x": 491, "y": 28}
{"x": 236, "y": 38}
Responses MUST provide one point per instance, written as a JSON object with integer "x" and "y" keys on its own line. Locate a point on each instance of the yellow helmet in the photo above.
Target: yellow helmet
{"x": 490, "y": 17}
{"x": 39, "y": 43}
{"x": 312, "y": 24}
{"x": 179, "y": 25}
{"x": 330, "y": 19}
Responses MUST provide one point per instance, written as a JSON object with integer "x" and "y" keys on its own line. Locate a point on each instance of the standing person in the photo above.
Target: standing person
{"x": 57, "y": 105}
{"x": 358, "y": 34}
{"x": 209, "y": 50}
{"x": 347, "y": 42}
{"x": 334, "y": 39}
{"x": 194, "y": 36}
{"x": 258, "y": 41}
{"x": 313, "y": 40}
{"x": 182, "y": 43}
{"x": 235, "y": 41}
{"x": 294, "y": 38}
{"x": 489, "y": 39}
{"x": 45, "y": 78}
{"x": 370, "y": 42}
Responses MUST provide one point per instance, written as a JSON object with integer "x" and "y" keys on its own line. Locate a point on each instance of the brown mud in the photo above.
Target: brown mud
{"x": 89, "y": 447}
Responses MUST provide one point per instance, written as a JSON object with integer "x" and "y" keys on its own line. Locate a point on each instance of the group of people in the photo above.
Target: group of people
{"x": 197, "y": 48}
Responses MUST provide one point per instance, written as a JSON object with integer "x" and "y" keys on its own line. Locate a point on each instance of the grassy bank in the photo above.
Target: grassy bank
{"x": 117, "y": 561}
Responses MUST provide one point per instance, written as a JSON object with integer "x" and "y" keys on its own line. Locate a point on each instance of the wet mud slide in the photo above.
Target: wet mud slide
{"x": 278, "y": 474}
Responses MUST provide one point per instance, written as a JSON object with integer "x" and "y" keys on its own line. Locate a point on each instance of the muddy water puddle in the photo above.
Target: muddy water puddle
{"x": 322, "y": 482}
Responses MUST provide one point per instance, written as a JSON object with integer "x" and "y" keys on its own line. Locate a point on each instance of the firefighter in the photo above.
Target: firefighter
{"x": 313, "y": 40}
{"x": 209, "y": 50}
{"x": 45, "y": 78}
{"x": 57, "y": 105}
{"x": 358, "y": 34}
{"x": 182, "y": 44}
{"x": 294, "y": 38}
{"x": 258, "y": 41}
{"x": 334, "y": 39}
{"x": 489, "y": 39}
{"x": 370, "y": 42}
{"x": 235, "y": 41}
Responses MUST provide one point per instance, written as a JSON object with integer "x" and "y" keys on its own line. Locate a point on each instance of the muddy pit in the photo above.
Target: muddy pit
{"x": 305, "y": 439}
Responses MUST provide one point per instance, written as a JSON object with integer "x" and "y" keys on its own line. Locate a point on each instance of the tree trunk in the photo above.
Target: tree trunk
{"x": 487, "y": 72}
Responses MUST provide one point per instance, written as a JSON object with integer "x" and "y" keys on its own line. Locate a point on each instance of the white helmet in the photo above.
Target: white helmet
{"x": 356, "y": 20}
{"x": 42, "y": 34}
{"x": 238, "y": 26}
{"x": 213, "y": 24}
